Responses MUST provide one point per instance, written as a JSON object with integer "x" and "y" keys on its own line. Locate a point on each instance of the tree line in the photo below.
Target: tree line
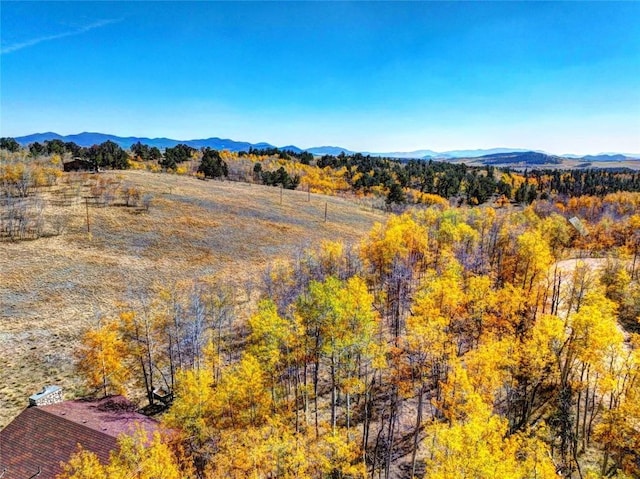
{"x": 303, "y": 157}
{"x": 399, "y": 181}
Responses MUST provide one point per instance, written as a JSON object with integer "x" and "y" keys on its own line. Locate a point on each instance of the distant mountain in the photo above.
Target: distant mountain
{"x": 430, "y": 154}
{"x": 616, "y": 157}
{"x": 89, "y": 139}
{"x": 605, "y": 156}
{"x": 479, "y": 153}
{"x": 485, "y": 156}
{"x": 524, "y": 158}
{"x": 406, "y": 154}
{"x": 293, "y": 148}
{"x": 328, "y": 150}
{"x": 39, "y": 137}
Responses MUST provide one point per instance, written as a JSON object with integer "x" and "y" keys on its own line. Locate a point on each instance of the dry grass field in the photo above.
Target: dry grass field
{"x": 54, "y": 287}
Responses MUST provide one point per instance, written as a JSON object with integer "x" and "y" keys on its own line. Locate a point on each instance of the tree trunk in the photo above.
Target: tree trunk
{"x": 333, "y": 393}
{"x": 416, "y": 434}
{"x": 391, "y": 433}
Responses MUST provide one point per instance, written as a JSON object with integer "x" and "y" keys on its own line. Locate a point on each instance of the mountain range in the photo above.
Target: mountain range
{"x": 488, "y": 156}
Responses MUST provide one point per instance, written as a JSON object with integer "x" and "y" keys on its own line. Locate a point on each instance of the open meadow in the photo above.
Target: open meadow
{"x": 54, "y": 287}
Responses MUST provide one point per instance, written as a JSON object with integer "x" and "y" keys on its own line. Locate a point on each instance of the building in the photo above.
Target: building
{"x": 48, "y": 432}
{"x": 79, "y": 164}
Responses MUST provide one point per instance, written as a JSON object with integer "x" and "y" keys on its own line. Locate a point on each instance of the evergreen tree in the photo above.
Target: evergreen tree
{"x": 36, "y": 149}
{"x": 9, "y": 144}
{"x": 212, "y": 165}
{"x": 396, "y": 194}
{"x": 108, "y": 155}
{"x": 175, "y": 155}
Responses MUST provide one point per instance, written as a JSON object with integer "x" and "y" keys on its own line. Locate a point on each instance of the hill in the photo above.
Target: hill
{"x": 517, "y": 159}
{"x": 53, "y": 288}
{"x": 328, "y": 150}
{"x": 473, "y": 153}
{"x": 512, "y": 156}
{"x": 616, "y": 157}
{"x": 88, "y": 139}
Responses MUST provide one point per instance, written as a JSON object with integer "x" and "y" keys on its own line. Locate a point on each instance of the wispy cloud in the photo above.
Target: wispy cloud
{"x": 34, "y": 41}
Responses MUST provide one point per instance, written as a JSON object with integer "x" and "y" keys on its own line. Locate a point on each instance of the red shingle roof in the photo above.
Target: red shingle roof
{"x": 46, "y": 436}
{"x": 112, "y": 416}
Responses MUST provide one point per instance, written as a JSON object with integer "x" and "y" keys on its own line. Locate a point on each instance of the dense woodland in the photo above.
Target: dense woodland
{"x": 448, "y": 343}
{"x": 451, "y": 342}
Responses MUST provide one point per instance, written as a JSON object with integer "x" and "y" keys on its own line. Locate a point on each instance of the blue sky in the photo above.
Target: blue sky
{"x": 382, "y": 76}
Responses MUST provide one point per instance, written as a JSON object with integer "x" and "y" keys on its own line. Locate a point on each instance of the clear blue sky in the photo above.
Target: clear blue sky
{"x": 561, "y": 77}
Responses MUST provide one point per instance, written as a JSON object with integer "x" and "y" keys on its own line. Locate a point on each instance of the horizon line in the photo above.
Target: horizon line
{"x": 510, "y": 149}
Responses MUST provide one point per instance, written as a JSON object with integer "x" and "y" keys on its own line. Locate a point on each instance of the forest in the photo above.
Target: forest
{"x": 455, "y": 340}
{"x": 448, "y": 343}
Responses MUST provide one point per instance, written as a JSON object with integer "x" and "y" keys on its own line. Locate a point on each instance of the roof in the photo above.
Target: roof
{"x": 113, "y": 415}
{"x": 577, "y": 224}
{"x": 77, "y": 159}
{"x": 43, "y": 437}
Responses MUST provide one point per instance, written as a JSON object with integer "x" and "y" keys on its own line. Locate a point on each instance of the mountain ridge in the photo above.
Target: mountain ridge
{"x": 92, "y": 138}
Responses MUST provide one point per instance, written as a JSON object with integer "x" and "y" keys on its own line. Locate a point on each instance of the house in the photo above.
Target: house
{"x": 48, "y": 432}
{"x": 79, "y": 164}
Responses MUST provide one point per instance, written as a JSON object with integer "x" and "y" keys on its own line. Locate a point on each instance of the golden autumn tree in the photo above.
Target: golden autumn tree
{"x": 139, "y": 332}
{"x": 101, "y": 358}
{"x": 429, "y": 347}
{"x": 473, "y": 442}
{"x": 488, "y": 368}
{"x": 350, "y": 341}
{"x": 277, "y": 450}
{"x": 400, "y": 238}
{"x": 533, "y": 259}
{"x": 191, "y": 410}
{"x": 138, "y": 456}
{"x": 243, "y": 397}
{"x": 534, "y": 371}
{"x": 339, "y": 317}
{"x": 619, "y": 430}
{"x": 270, "y": 341}
{"x": 592, "y": 337}
{"x": 83, "y": 465}
{"x": 147, "y": 458}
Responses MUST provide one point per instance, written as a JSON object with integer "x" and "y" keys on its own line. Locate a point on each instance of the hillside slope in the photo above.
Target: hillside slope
{"x": 53, "y": 288}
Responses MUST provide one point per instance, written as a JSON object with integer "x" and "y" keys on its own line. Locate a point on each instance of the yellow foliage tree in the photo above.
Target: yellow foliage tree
{"x": 137, "y": 456}
{"x": 83, "y": 465}
{"x": 474, "y": 442}
{"x": 400, "y": 238}
{"x": 101, "y": 358}
{"x": 191, "y": 411}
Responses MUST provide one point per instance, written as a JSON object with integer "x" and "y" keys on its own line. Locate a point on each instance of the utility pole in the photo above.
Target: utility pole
{"x": 86, "y": 204}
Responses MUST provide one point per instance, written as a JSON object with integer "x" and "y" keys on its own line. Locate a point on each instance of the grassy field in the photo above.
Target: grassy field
{"x": 52, "y": 288}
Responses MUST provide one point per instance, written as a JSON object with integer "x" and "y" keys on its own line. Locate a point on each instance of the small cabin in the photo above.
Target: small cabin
{"x": 79, "y": 164}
